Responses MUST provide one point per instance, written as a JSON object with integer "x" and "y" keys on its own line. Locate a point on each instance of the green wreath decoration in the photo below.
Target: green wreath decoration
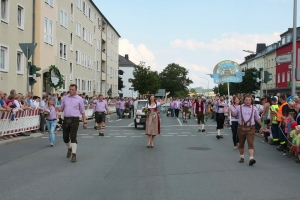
{"x": 61, "y": 81}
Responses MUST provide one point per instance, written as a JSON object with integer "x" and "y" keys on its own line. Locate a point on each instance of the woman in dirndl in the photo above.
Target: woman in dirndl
{"x": 153, "y": 119}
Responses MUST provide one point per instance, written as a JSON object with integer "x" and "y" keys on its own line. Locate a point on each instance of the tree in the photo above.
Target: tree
{"x": 174, "y": 79}
{"x": 145, "y": 81}
{"x": 193, "y": 90}
{"x": 221, "y": 88}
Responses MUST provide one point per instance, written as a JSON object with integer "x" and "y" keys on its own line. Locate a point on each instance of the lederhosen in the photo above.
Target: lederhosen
{"x": 245, "y": 131}
{"x": 220, "y": 117}
{"x": 185, "y": 107}
{"x": 100, "y": 116}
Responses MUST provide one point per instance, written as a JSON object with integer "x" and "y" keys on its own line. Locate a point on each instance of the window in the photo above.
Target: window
{"x": 98, "y": 66}
{"x": 83, "y": 85}
{"x": 63, "y": 18}
{"x": 48, "y": 35}
{"x": 78, "y": 29}
{"x": 78, "y": 56}
{"x": 98, "y": 86}
{"x": 99, "y": 45}
{"x": 90, "y": 13}
{"x": 91, "y": 38}
{"x": 283, "y": 77}
{"x": 84, "y": 33}
{"x": 283, "y": 40}
{"x": 63, "y": 50}
{"x": 50, "y": 2}
{"x": 278, "y": 78}
{"x": 77, "y": 81}
{"x": 4, "y": 61}
{"x": 288, "y": 38}
{"x": 72, "y": 12}
{"x": 20, "y": 17}
{"x": 79, "y": 4}
{"x": 4, "y": 11}
{"x": 71, "y": 41}
{"x": 71, "y": 71}
{"x": 20, "y": 62}
{"x": 64, "y": 86}
{"x": 84, "y": 7}
{"x": 89, "y": 86}
{"x": 288, "y": 77}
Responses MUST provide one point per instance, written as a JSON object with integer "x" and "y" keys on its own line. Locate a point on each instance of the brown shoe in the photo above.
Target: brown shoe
{"x": 73, "y": 157}
{"x": 69, "y": 153}
{"x": 241, "y": 160}
{"x": 252, "y": 162}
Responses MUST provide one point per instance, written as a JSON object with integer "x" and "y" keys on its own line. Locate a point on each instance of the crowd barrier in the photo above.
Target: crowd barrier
{"x": 27, "y": 120}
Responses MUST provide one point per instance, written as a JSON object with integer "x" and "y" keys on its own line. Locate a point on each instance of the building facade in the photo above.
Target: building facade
{"x": 127, "y": 67}
{"x": 75, "y": 37}
{"x": 16, "y": 26}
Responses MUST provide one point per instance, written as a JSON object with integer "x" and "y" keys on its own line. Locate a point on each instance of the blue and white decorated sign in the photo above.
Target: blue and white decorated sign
{"x": 227, "y": 71}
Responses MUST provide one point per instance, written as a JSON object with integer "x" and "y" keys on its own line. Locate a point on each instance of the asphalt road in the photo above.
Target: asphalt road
{"x": 184, "y": 164}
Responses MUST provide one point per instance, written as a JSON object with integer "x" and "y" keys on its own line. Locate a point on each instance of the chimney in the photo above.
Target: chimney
{"x": 126, "y": 56}
{"x": 260, "y": 47}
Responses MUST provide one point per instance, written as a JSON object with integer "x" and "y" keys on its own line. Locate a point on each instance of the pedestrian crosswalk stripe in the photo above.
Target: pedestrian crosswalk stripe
{"x": 114, "y": 134}
{"x": 106, "y": 136}
{"x": 128, "y": 133}
{"x": 82, "y": 134}
{"x": 136, "y": 136}
{"x": 181, "y": 135}
{"x": 172, "y": 133}
{"x": 120, "y": 136}
{"x": 167, "y": 135}
{"x": 87, "y": 136}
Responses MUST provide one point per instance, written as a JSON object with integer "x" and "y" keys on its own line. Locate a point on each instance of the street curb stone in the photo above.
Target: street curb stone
{"x": 20, "y": 139}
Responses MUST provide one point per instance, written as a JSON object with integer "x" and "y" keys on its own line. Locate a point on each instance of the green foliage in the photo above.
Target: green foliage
{"x": 145, "y": 81}
{"x": 174, "y": 79}
{"x": 55, "y": 70}
{"x": 193, "y": 90}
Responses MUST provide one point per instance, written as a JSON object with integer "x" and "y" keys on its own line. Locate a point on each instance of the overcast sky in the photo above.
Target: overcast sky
{"x": 197, "y": 34}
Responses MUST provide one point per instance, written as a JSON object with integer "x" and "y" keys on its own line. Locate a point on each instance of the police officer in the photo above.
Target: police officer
{"x": 72, "y": 105}
{"x": 101, "y": 109}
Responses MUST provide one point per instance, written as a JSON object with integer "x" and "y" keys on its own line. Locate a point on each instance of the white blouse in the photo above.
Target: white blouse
{"x": 157, "y": 103}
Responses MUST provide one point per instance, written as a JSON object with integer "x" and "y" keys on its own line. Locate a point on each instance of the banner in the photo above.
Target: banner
{"x": 227, "y": 71}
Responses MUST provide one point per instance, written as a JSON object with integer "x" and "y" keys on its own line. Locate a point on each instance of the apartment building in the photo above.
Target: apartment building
{"x": 73, "y": 35}
{"x": 15, "y": 27}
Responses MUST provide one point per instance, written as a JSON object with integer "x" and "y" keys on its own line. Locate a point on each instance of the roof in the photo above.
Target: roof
{"x": 124, "y": 62}
{"x": 104, "y": 18}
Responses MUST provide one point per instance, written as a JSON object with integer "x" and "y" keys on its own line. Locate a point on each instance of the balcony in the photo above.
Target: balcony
{"x": 103, "y": 35}
{"x": 103, "y": 55}
{"x": 103, "y": 76}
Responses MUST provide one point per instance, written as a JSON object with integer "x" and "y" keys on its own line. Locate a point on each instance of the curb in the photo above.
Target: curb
{"x": 20, "y": 139}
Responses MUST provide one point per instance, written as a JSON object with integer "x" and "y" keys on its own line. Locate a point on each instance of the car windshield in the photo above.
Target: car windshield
{"x": 141, "y": 104}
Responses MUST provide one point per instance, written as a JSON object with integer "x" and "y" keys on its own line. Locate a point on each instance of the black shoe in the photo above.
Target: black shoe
{"x": 203, "y": 130}
{"x": 218, "y": 137}
{"x": 252, "y": 162}
{"x": 297, "y": 161}
{"x": 152, "y": 147}
{"x": 281, "y": 148}
{"x": 278, "y": 147}
{"x": 199, "y": 130}
{"x": 148, "y": 146}
{"x": 95, "y": 127}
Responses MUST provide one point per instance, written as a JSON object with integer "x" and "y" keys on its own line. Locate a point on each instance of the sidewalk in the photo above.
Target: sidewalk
{"x": 20, "y": 138}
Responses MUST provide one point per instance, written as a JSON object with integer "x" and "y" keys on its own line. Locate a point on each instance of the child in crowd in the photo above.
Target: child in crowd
{"x": 267, "y": 134}
{"x": 297, "y": 141}
{"x": 293, "y": 139}
{"x": 287, "y": 123}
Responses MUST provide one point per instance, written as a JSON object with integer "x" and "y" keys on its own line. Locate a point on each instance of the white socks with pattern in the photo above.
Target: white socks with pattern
{"x": 68, "y": 145}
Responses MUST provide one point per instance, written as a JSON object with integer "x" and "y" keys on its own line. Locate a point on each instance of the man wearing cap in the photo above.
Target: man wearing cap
{"x": 273, "y": 121}
{"x": 73, "y": 107}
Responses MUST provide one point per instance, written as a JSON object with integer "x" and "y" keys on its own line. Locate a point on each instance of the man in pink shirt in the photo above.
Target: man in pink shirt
{"x": 121, "y": 108}
{"x": 101, "y": 109}
{"x": 72, "y": 106}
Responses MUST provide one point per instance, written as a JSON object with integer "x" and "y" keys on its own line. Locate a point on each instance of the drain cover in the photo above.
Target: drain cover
{"x": 199, "y": 148}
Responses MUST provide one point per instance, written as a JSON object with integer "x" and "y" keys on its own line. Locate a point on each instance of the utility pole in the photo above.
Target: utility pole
{"x": 294, "y": 49}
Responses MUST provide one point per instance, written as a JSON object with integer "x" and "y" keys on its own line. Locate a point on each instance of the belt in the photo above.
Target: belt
{"x": 50, "y": 119}
{"x": 71, "y": 117}
{"x": 100, "y": 111}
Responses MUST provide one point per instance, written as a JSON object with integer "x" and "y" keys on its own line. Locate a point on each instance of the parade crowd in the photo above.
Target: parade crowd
{"x": 276, "y": 118}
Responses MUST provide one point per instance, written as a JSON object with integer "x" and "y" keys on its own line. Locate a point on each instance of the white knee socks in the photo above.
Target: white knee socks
{"x": 74, "y": 147}
{"x": 202, "y": 126}
{"x": 198, "y": 126}
{"x": 68, "y": 145}
{"x": 219, "y": 132}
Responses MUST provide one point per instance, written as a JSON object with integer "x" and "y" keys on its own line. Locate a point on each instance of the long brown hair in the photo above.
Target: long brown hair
{"x": 49, "y": 99}
{"x": 149, "y": 99}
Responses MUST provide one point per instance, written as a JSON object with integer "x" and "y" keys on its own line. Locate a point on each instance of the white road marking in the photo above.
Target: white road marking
{"x": 181, "y": 135}
{"x": 114, "y": 134}
{"x": 212, "y": 132}
{"x": 114, "y": 130}
{"x": 167, "y": 135}
{"x": 179, "y": 121}
{"x": 172, "y": 133}
{"x": 121, "y": 136}
{"x": 193, "y": 135}
{"x": 88, "y": 137}
{"x": 178, "y": 129}
{"x": 106, "y": 136}
{"x": 129, "y": 133}
{"x": 130, "y": 124}
{"x": 185, "y": 132}
{"x": 82, "y": 134}
{"x": 165, "y": 129}
{"x": 136, "y": 136}
{"x": 45, "y": 137}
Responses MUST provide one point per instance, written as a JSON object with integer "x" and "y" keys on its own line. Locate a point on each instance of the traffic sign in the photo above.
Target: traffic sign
{"x": 284, "y": 58}
{"x": 27, "y": 46}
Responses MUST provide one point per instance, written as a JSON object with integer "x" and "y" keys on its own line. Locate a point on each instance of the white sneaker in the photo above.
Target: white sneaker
{"x": 51, "y": 145}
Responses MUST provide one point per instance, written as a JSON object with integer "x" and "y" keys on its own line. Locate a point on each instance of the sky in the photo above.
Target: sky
{"x": 196, "y": 34}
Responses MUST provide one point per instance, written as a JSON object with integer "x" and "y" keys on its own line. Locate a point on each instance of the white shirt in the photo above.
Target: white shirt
{"x": 17, "y": 104}
{"x": 158, "y": 103}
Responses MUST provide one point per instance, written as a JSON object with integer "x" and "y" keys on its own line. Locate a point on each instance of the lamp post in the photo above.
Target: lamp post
{"x": 207, "y": 82}
{"x": 294, "y": 49}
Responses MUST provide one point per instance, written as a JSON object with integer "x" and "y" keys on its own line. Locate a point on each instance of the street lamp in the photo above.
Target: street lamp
{"x": 207, "y": 82}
